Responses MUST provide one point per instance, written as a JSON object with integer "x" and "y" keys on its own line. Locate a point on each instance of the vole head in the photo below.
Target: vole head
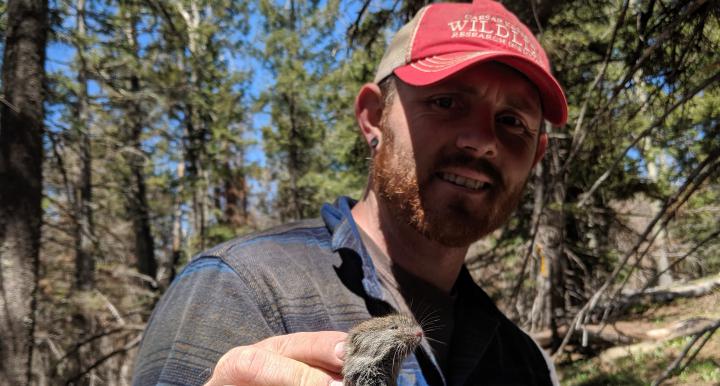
{"x": 385, "y": 335}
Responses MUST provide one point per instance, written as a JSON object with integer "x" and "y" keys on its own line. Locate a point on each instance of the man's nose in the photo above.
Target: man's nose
{"x": 478, "y": 137}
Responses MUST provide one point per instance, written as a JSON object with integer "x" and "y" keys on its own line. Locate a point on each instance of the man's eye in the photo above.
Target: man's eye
{"x": 443, "y": 102}
{"x": 511, "y": 122}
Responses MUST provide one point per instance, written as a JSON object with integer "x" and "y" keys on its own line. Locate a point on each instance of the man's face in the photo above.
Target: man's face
{"x": 455, "y": 156}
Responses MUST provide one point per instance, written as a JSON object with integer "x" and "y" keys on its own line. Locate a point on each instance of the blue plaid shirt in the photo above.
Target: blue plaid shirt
{"x": 314, "y": 275}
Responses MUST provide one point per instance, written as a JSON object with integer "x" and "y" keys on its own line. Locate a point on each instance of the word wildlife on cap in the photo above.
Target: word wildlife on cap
{"x": 376, "y": 348}
{"x": 445, "y": 38}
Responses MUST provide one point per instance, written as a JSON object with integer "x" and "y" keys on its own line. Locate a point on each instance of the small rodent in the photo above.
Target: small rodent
{"x": 376, "y": 348}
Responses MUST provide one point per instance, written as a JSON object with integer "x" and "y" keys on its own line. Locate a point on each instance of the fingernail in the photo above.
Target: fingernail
{"x": 340, "y": 350}
{"x": 336, "y": 383}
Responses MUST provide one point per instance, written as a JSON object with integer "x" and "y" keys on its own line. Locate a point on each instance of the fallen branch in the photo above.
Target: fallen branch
{"x": 665, "y": 294}
{"x": 591, "y": 334}
{"x": 697, "y": 246}
{"x": 682, "y": 328}
{"x": 693, "y": 326}
{"x": 676, "y": 367}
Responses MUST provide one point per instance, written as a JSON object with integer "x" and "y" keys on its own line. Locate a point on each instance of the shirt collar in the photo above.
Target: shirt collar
{"x": 345, "y": 235}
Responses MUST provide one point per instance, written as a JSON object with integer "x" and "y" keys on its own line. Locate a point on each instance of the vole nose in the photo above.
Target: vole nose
{"x": 419, "y": 333}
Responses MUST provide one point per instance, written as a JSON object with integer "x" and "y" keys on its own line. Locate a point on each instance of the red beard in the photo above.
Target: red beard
{"x": 453, "y": 223}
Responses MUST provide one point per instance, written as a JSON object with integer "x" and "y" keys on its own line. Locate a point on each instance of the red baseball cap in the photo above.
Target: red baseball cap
{"x": 445, "y": 38}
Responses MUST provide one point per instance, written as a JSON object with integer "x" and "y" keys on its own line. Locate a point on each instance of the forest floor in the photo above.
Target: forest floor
{"x": 649, "y": 358}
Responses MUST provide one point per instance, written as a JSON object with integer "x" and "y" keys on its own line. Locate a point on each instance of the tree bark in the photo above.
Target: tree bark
{"x": 136, "y": 200}
{"x": 196, "y": 130}
{"x": 235, "y": 192}
{"x": 83, "y": 232}
{"x": 662, "y": 263}
{"x": 167, "y": 272}
{"x": 551, "y": 244}
{"x": 293, "y": 164}
{"x": 21, "y": 156}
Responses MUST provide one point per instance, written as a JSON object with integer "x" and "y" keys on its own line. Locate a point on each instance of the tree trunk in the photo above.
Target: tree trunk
{"x": 177, "y": 231}
{"x": 195, "y": 130}
{"x": 662, "y": 263}
{"x": 235, "y": 192}
{"x": 136, "y": 200}
{"x": 551, "y": 243}
{"x": 167, "y": 270}
{"x": 82, "y": 199}
{"x": 541, "y": 306}
{"x": 144, "y": 243}
{"x": 84, "y": 256}
{"x": 21, "y": 156}
{"x": 294, "y": 162}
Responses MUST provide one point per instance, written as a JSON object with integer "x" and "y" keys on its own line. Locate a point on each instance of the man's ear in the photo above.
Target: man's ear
{"x": 541, "y": 147}
{"x": 368, "y": 112}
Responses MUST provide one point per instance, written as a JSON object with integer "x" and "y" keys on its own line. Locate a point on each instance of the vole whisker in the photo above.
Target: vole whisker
{"x": 376, "y": 348}
{"x": 436, "y": 341}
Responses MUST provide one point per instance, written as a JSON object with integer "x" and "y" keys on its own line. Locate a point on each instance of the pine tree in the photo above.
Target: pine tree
{"x": 291, "y": 141}
{"x": 21, "y": 157}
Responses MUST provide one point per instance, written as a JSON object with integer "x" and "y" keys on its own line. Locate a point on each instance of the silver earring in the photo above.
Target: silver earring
{"x": 374, "y": 142}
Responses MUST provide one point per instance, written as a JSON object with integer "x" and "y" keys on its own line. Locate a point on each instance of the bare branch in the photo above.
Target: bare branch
{"x": 536, "y": 16}
{"x": 670, "y": 370}
{"x": 541, "y": 200}
{"x": 580, "y": 130}
{"x": 353, "y": 30}
{"x": 9, "y": 105}
{"x": 127, "y": 347}
{"x": 672, "y": 204}
{"x": 697, "y": 246}
{"x": 95, "y": 337}
{"x": 697, "y": 179}
{"x": 659, "y": 121}
{"x": 113, "y": 310}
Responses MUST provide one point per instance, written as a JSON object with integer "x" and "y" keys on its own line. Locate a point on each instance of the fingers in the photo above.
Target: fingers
{"x": 323, "y": 349}
{"x": 253, "y": 366}
{"x": 300, "y": 359}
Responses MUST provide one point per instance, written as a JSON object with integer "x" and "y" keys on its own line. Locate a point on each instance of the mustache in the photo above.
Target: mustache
{"x": 481, "y": 165}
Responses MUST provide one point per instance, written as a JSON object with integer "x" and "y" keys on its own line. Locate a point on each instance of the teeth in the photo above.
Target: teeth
{"x": 462, "y": 181}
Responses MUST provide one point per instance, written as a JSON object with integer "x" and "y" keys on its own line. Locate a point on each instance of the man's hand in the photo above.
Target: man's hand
{"x": 300, "y": 359}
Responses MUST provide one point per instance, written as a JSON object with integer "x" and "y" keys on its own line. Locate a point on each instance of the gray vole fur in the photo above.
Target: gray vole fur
{"x": 376, "y": 348}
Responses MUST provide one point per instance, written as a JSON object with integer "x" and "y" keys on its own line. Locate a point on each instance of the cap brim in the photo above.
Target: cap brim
{"x": 433, "y": 69}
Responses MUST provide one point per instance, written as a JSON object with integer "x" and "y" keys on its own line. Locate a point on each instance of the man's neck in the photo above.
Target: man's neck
{"x": 429, "y": 260}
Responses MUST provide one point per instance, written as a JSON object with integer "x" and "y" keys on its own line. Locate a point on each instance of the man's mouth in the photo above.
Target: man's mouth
{"x": 464, "y": 181}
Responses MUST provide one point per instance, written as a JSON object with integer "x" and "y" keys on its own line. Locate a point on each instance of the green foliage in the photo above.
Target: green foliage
{"x": 3, "y": 24}
{"x": 312, "y": 141}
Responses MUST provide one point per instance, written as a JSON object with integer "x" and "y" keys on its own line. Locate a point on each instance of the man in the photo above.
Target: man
{"x": 454, "y": 122}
